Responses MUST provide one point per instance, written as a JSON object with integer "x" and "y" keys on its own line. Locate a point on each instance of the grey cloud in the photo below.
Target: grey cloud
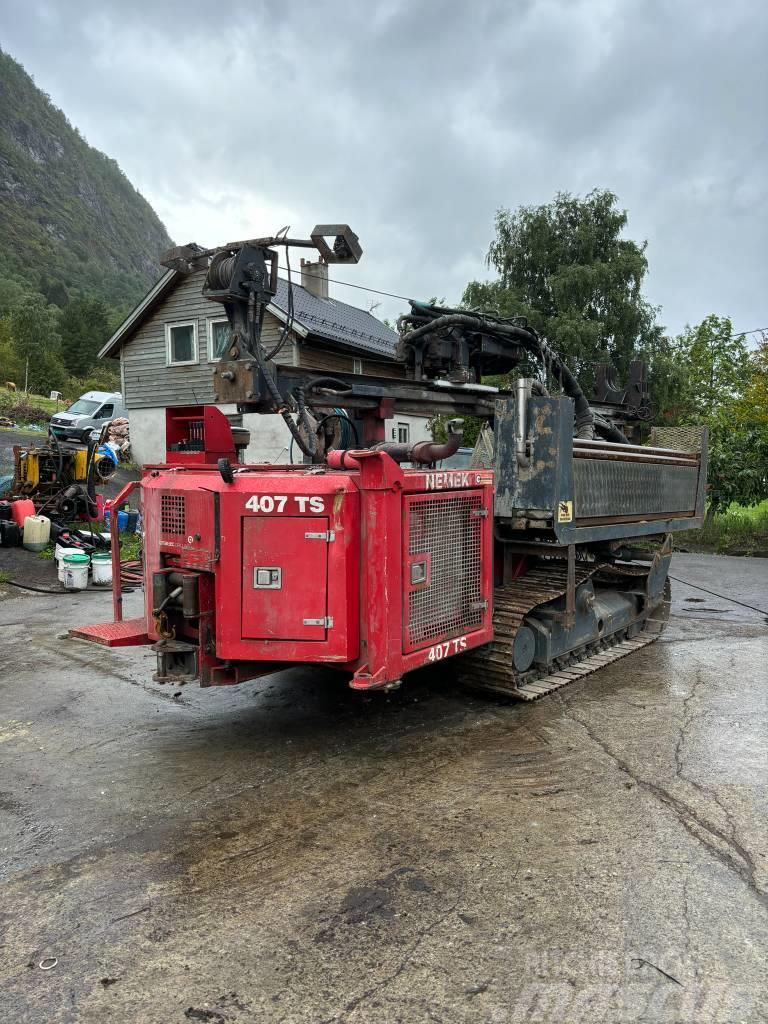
{"x": 415, "y": 121}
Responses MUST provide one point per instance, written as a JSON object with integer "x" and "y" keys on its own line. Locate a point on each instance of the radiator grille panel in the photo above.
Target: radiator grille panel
{"x": 451, "y": 603}
{"x": 604, "y": 488}
{"x": 173, "y": 517}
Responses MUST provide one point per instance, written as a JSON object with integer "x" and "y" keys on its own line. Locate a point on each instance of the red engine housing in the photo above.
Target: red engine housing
{"x": 376, "y": 570}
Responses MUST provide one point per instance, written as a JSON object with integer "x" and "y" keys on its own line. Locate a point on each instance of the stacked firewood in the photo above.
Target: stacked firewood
{"x": 119, "y": 437}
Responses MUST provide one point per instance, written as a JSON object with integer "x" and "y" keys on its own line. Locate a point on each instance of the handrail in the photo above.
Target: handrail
{"x": 117, "y": 589}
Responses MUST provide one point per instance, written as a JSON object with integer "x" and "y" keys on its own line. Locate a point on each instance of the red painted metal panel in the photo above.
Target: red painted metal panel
{"x": 328, "y": 501}
{"x": 285, "y": 577}
{"x": 128, "y": 633}
{"x": 197, "y": 434}
{"x": 359, "y": 579}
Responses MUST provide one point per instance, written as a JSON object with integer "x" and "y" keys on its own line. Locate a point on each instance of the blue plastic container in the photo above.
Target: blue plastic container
{"x": 122, "y": 520}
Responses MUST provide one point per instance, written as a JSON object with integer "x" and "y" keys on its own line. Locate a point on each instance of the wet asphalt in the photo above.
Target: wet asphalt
{"x": 287, "y": 850}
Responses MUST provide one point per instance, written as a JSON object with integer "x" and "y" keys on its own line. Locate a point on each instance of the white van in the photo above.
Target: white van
{"x": 90, "y": 412}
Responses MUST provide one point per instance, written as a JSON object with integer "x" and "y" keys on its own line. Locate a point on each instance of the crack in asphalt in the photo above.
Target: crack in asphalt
{"x": 422, "y": 934}
{"x": 736, "y": 858}
{"x": 687, "y": 721}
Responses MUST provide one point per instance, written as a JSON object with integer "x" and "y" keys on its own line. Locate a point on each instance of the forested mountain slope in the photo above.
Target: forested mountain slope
{"x": 71, "y": 224}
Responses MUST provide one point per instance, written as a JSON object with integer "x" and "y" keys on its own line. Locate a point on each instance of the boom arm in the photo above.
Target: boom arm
{"x": 445, "y": 352}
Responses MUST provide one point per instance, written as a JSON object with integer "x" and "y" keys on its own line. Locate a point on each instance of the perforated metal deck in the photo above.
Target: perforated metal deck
{"x": 130, "y": 633}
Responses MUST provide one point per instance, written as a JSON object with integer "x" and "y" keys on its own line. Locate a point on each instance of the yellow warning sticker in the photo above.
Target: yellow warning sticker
{"x": 564, "y": 511}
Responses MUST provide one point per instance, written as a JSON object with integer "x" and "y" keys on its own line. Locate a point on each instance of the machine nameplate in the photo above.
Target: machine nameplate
{"x": 444, "y": 650}
{"x": 449, "y": 479}
{"x": 301, "y": 503}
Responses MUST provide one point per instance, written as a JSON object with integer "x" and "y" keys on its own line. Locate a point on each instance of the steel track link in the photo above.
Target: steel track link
{"x": 490, "y": 668}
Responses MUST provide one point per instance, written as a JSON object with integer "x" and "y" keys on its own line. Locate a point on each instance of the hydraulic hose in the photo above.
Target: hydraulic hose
{"x": 584, "y": 420}
{"x": 254, "y": 345}
{"x": 608, "y": 431}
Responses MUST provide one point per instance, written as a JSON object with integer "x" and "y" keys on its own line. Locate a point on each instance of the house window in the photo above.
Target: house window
{"x": 181, "y": 343}
{"x": 403, "y": 433}
{"x": 219, "y": 335}
{"x": 357, "y": 366}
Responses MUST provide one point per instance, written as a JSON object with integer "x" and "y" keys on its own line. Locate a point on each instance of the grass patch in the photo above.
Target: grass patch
{"x": 4, "y": 577}
{"x": 26, "y": 431}
{"x": 130, "y": 544}
{"x": 736, "y": 531}
{"x": 130, "y": 547}
{"x": 28, "y": 408}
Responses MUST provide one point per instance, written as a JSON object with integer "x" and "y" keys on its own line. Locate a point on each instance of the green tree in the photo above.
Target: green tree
{"x": 11, "y": 367}
{"x": 54, "y": 291}
{"x": 84, "y": 328}
{"x": 717, "y": 370}
{"x": 101, "y": 378}
{"x": 723, "y": 389}
{"x": 38, "y": 345}
{"x": 11, "y": 294}
{"x": 566, "y": 266}
{"x": 738, "y": 465}
{"x": 754, "y": 406}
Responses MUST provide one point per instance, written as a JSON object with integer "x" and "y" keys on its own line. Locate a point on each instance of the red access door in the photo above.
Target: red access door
{"x": 285, "y": 577}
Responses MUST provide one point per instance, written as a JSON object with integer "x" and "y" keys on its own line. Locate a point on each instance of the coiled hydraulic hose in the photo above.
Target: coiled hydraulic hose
{"x": 431, "y": 318}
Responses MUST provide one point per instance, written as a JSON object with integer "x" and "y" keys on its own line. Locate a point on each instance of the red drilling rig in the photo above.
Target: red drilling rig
{"x": 383, "y": 558}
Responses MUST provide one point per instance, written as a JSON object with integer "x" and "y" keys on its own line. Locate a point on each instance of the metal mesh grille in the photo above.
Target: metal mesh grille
{"x": 451, "y": 604}
{"x": 684, "y": 439}
{"x": 172, "y": 513}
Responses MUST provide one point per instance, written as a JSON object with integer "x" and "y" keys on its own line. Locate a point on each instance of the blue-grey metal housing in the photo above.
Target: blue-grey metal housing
{"x": 583, "y": 491}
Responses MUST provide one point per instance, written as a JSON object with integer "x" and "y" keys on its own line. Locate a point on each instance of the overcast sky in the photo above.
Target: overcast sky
{"x": 413, "y": 120}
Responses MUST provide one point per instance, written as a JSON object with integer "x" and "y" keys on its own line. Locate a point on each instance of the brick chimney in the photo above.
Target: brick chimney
{"x": 314, "y": 277}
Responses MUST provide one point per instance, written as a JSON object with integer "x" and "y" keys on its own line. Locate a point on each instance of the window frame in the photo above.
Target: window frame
{"x": 406, "y": 427}
{"x": 210, "y": 321}
{"x": 168, "y": 349}
{"x": 357, "y": 364}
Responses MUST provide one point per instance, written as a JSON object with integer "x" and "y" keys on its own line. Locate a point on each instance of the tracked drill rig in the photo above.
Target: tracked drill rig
{"x": 523, "y": 570}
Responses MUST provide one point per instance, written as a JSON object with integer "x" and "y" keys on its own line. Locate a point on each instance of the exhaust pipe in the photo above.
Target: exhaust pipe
{"x": 422, "y": 452}
{"x": 433, "y": 451}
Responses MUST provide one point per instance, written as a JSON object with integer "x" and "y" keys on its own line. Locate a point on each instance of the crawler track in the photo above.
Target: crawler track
{"x": 491, "y": 669}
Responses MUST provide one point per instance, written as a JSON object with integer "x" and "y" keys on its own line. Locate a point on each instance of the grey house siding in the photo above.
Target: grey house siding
{"x": 148, "y": 382}
{"x": 313, "y": 357}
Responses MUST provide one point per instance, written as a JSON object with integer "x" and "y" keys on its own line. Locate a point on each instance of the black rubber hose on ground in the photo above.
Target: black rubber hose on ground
{"x": 47, "y": 590}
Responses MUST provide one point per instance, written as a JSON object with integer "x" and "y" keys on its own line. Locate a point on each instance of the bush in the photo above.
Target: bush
{"x": 26, "y": 408}
{"x": 736, "y": 530}
{"x": 101, "y": 378}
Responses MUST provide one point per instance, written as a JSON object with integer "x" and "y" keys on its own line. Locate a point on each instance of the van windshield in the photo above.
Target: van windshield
{"x": 83, "y": 407}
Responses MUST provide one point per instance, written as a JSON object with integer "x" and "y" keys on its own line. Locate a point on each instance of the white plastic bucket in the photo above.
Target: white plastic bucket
{"x": 101, "y": 566}
{"x": 37, "y": 532}
{"x": 58, "y": 553}
{"x": 75, "y": 570}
